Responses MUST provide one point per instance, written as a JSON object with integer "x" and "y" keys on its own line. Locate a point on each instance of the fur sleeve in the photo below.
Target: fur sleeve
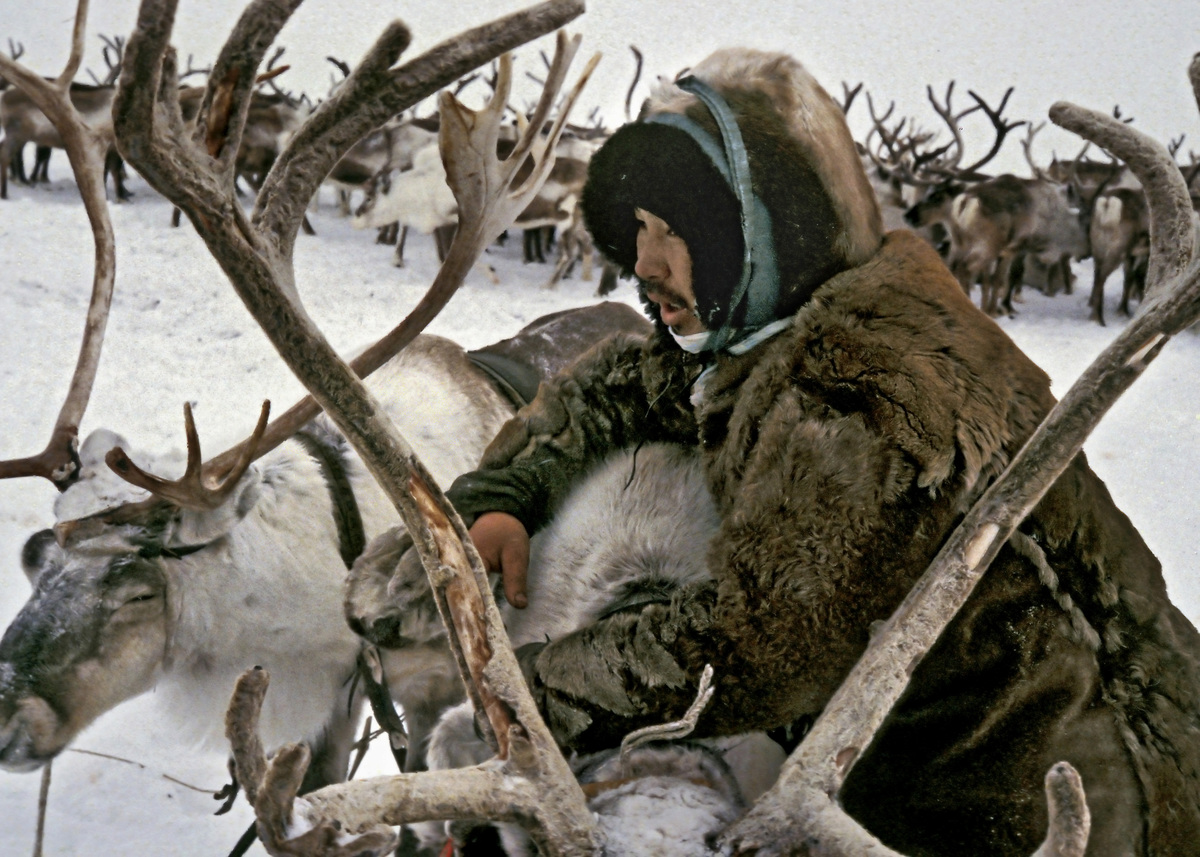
{"x": 616, "y": 396}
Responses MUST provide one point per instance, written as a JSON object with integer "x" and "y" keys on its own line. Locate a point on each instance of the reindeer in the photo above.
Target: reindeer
{"x": 994, "y": 222}
{"x": 999, "y": 226}
{"x": 1119, "y": 233}
{"x": 1114, "y": 217}
{"x": 917, "y": 181}
{"x": 177, "y": 591}
{"x": 634, "y": 530}
{"x": 554, "y": 207}
{"x": 26, "y": 123}
{"x": 390, "y": 148}
{"x": 419, "y": 197}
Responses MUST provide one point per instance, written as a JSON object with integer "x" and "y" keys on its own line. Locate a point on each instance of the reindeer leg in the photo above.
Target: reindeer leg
{"x": 1096, "y": 301}
{"x": 5, "y": 158}
{"x": 1004, "y": 287}
{"x": 398, "y": 255}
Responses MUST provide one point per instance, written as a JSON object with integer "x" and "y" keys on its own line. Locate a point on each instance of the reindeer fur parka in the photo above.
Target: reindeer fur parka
{"x": 842, "y": 452}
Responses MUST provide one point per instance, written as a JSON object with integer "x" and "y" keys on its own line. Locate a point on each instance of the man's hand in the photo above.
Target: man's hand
{"x": 503, "y": 545}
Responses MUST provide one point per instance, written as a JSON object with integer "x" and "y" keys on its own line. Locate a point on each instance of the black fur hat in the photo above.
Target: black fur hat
{"x": 661, "y": 169}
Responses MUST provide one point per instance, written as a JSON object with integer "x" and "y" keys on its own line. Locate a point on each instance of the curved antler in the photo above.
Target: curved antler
{"x": 59, "y": 461}
{"x": 1001, "y": 127}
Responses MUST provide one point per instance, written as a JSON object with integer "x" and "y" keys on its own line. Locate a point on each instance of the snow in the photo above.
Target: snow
{"x": 178, "y": 333}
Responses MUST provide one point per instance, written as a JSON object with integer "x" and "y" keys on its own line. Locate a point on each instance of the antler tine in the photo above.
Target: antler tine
{"x": 556, "y": 77}
{"x": 1002, "y": 127}
{"x": 1031, "y": 131}
{"x": 947, "y": 114}
{"x": 886, "y": 138}
{"x": 877, "y": 120}
{"x": 1175, "y": 145}
{"x": 196, "y": 489}
{"x": 637, "y": 76}
{"x": 849, "y": 93}
{"x": 564, "y": 52}
{"x": 481, "y": 182}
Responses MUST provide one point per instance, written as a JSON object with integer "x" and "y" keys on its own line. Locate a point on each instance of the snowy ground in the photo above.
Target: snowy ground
{"x": 178, "y": 333}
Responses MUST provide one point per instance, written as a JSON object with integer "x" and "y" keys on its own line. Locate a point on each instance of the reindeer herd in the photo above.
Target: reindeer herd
{"x": 1000, "y": 232}
{"x": 396, "y": 169}
{"x": 1004, "y": 231}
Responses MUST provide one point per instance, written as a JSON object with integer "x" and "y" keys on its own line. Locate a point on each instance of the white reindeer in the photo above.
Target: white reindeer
{"x": 418, "y": 198}
{"x": 392, "y": 147}
{"x": 129, "y": 596}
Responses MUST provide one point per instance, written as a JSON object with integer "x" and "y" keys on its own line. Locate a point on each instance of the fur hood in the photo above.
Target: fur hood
{"x": 804, "y": 167}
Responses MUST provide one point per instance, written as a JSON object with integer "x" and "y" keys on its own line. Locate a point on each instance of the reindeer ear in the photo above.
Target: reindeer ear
{"x": 39, "y": 551}
{"x": 201, "y": 526}
{"x": 96, "y": 445}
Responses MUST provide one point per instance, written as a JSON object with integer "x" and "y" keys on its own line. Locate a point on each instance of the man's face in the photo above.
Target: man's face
{"x": 665, "y": 266}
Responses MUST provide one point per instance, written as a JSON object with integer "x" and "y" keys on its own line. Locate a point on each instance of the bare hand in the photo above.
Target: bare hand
{"x": 503, "y": 545}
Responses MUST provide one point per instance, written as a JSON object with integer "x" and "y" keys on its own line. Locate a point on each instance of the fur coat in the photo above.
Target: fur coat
{"x": 841, "y": 453}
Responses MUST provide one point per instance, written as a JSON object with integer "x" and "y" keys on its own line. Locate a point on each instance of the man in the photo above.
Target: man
{"x": 850, "y": 404}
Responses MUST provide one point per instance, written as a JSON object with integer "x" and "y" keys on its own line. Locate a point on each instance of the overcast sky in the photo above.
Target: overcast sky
{"x": 1098, "y": 54}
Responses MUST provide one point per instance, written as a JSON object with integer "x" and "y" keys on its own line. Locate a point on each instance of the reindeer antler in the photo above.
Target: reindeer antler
{"x": 194, "y": 490}
{"x": 482, "y": 184}
{"x": 59, "y": 461}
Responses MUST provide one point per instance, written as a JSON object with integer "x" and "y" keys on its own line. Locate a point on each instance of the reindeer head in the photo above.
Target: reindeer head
{"x": 96, "y": 629}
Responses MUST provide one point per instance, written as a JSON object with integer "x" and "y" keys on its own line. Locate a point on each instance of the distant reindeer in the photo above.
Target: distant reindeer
{"x": 1004, "y": 227}
{"x": 23, "y": 122}
{"x": 916, "y": 179}
{"x": 994, "y": 222}
{"x": 419, "y": 197}
{"x": 1120, "y": 238}
{"x": 391, "y": 148}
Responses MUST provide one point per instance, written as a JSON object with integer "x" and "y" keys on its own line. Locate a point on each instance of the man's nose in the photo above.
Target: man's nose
{"x": 651, "y": 265}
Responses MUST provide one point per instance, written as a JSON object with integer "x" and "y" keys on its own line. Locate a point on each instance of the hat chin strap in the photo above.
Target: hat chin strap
{"x": 759, "y": 283}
